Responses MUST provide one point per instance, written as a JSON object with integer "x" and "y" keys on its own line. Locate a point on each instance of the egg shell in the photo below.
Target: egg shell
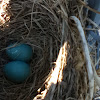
{"x": 17, "y": 71}
{"x": 22, "y": 52}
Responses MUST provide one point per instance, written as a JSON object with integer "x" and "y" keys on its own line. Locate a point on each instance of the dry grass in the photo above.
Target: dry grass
{"x": 45, "y": 25}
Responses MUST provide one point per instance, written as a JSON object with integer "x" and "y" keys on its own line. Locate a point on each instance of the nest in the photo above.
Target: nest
{"x": 58, "y": 66}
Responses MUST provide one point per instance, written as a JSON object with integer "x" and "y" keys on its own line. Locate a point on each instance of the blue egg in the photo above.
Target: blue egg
{"x": 17, "y": 71}
{"x": 22, "y": 52}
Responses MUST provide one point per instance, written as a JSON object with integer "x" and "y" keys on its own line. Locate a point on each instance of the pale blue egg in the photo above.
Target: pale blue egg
{"x": 17, "y": 71}
{"x": 22, "y": 52}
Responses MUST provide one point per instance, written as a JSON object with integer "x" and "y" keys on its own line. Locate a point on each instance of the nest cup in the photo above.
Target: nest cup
{"x": 44, "y": 26}
{"x": 32, "y": 24}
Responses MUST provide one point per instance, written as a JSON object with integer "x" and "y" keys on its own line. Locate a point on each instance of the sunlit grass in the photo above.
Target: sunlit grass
{"x": 4, "y": 16}
{"x": 57, "y": 74}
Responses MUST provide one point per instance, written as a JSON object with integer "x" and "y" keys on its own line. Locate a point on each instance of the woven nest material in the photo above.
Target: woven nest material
{"x": 58, "y": 67}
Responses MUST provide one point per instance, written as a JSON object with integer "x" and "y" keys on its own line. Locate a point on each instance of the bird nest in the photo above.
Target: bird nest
{"x": 58, "y": 66}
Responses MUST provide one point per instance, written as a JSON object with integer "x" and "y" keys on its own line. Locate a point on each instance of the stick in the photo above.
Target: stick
{"x": 85, "y": 5}
{"x": 87, "y": 56}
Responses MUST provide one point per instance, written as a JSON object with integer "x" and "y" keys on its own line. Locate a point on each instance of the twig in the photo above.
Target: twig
{"x": 93, "y": 10}
{"x": 96, "y": 77}
{"x": 51, "y": 54}
{"x": 32, "y": 14}
{"x": 62, "y": 8}
{"x": 87, "y": 56}
{"x": 92, "y": 22}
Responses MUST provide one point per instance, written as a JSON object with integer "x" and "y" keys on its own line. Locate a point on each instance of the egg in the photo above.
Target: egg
{"x": 17, "y": 71}
{"x": 22, "y": 52}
